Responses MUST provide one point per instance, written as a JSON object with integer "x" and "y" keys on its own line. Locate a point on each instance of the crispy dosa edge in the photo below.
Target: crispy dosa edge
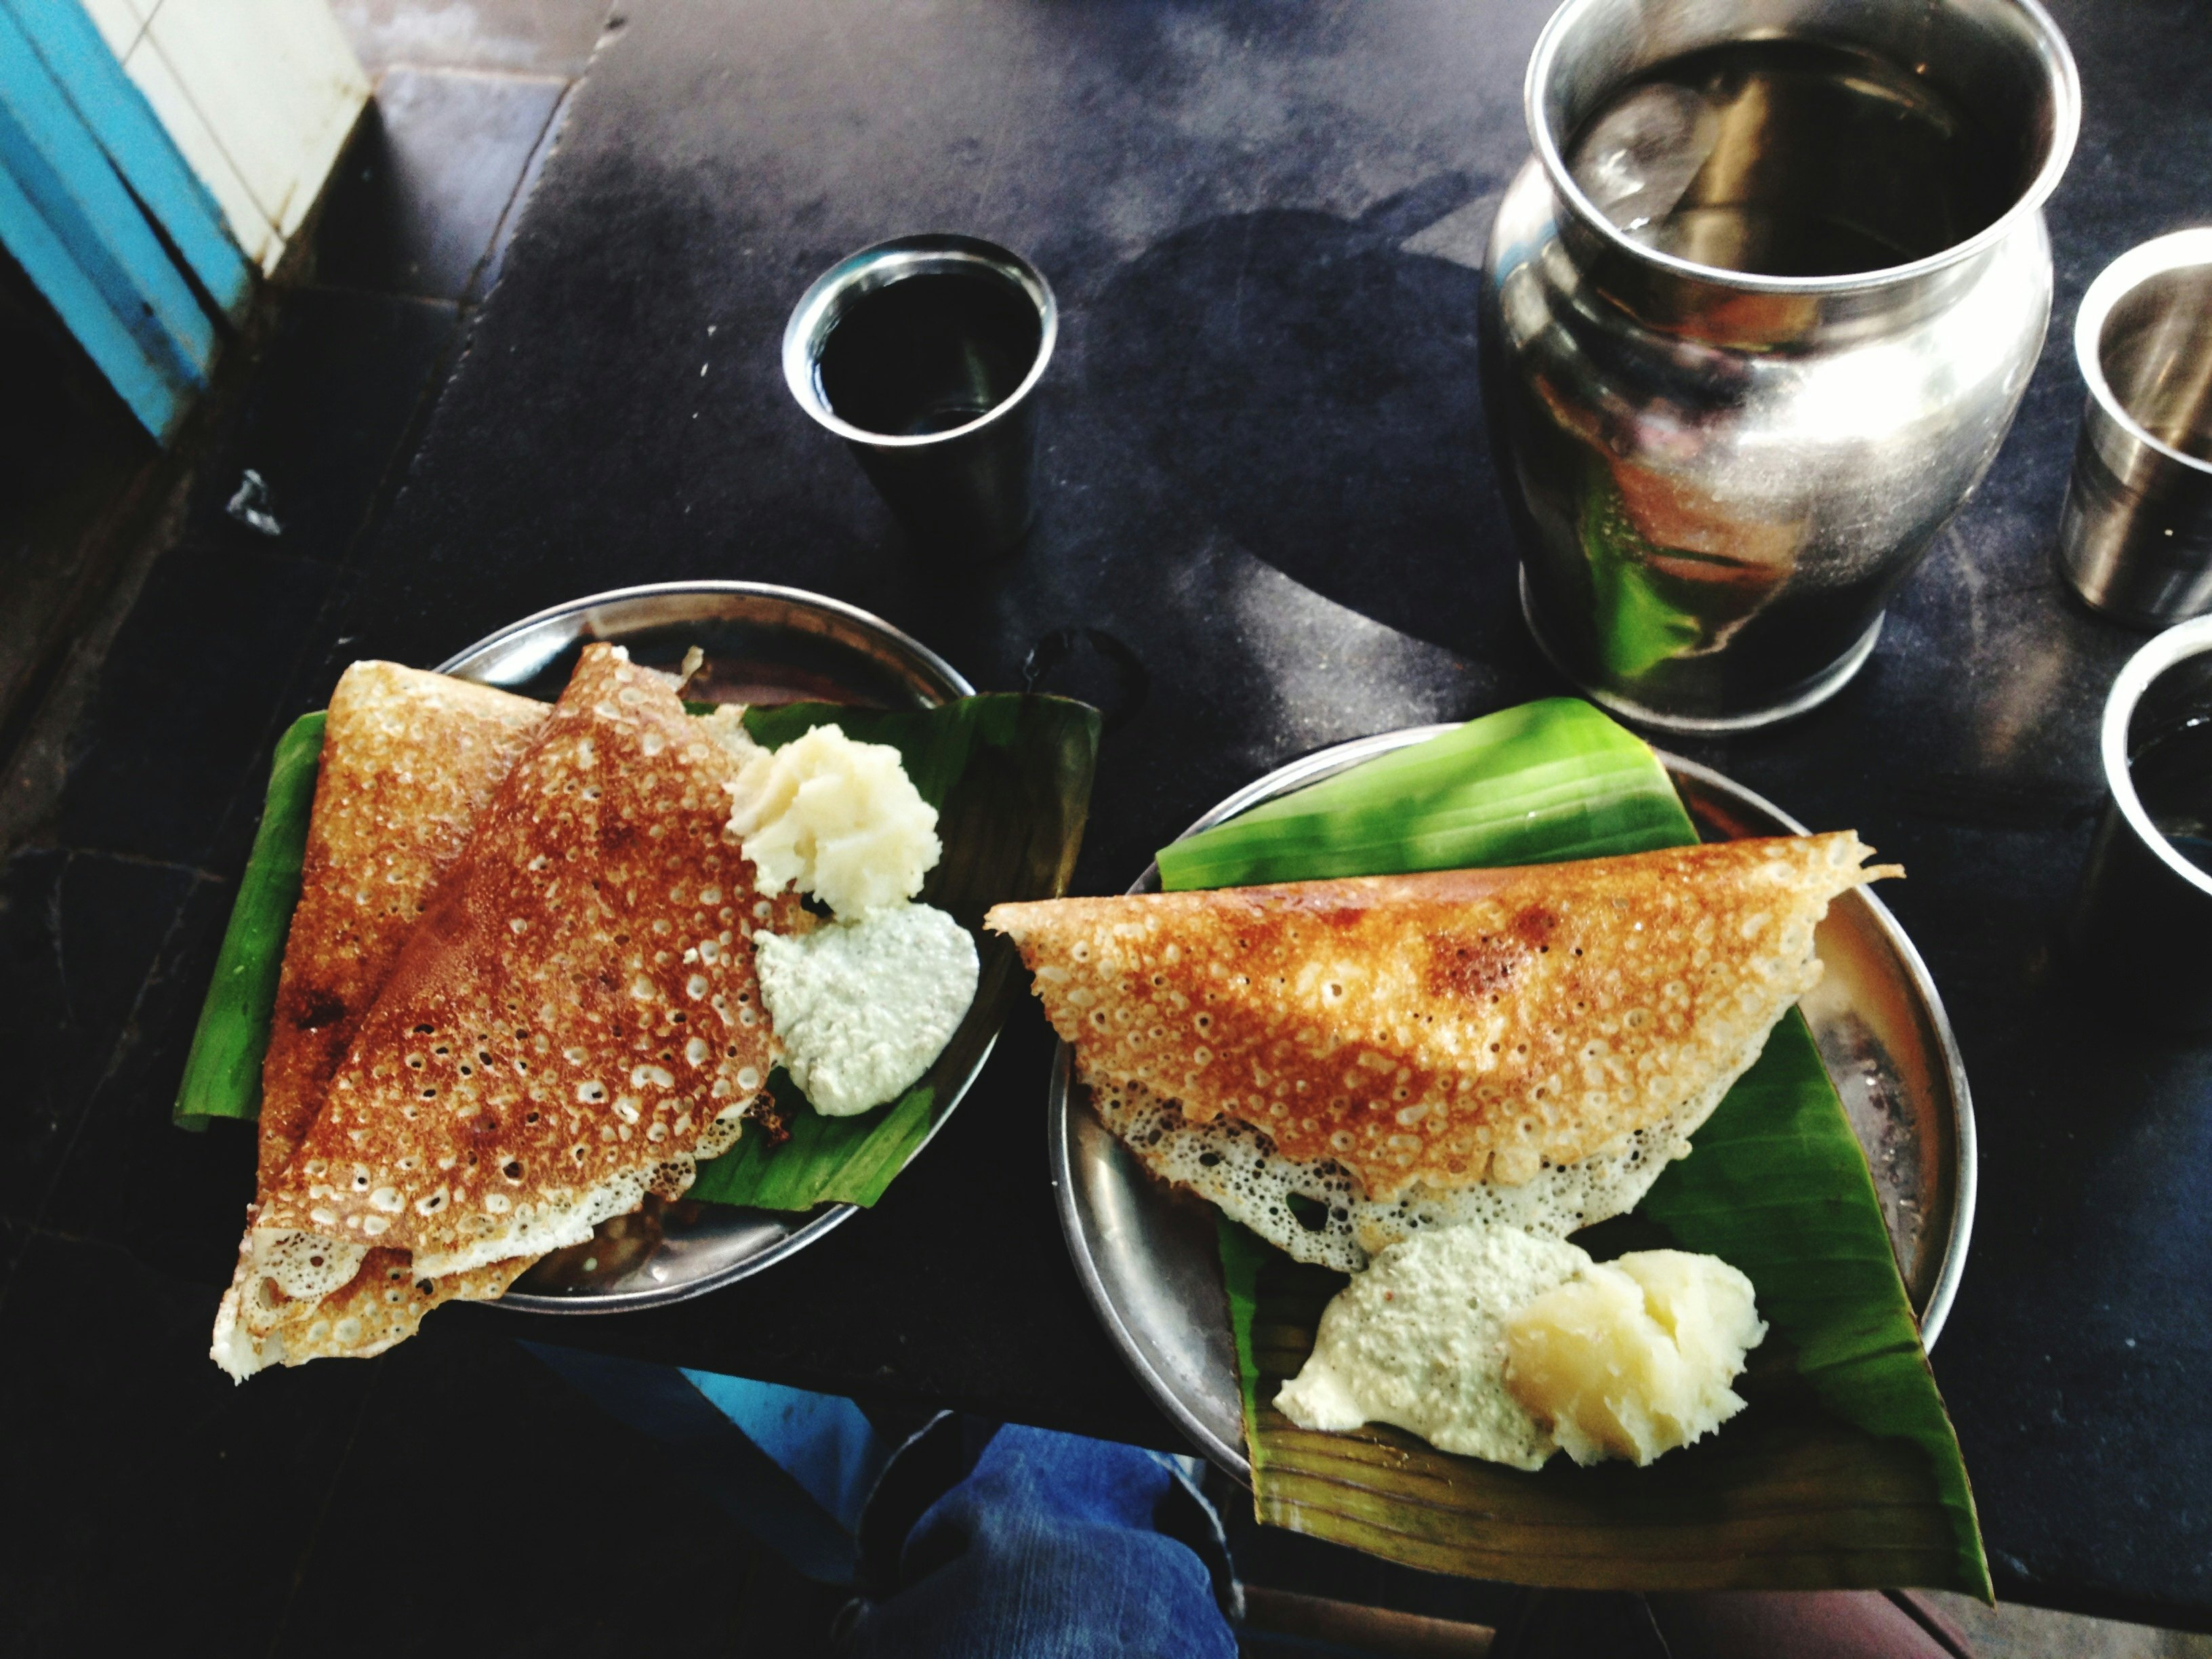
{"x": 380, "y": 1306}
{"x": 1447, "y": 1027}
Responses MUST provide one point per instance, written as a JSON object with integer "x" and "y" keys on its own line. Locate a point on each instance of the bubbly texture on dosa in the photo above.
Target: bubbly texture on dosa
{"x": 409, "y": 759}
{"x": 1316, "y": 1211}
{"x": 1447, "y": 1029}
{"x": 575, "y": 1020}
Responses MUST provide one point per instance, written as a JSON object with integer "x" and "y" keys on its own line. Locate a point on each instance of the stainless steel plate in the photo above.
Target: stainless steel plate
{"x": 1147, "y": 1254}
{"x": 763, "y": 644}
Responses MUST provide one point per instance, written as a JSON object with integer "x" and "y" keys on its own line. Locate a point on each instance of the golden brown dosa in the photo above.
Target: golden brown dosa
{"x": 1451, "y": 1028}
{"x": 575, "y": 1020}
{"x": 409, "y": 759}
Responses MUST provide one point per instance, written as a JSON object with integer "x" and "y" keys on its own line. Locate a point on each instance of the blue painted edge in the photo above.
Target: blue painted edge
{"x": 111, "y": 106}
{"x": 56, "y": 161}
{"x": 122, "y": 278}
{"x": 62, "y": 177}
{"x": 158, "y": 402}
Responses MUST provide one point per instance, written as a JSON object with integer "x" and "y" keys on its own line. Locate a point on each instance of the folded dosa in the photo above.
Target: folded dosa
{"x": 575, "y": 1020}
{"x": 409, "y": 759}
{"x": 1444, "y": 1029}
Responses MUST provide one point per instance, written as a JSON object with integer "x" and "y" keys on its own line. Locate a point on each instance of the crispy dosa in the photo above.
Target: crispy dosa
{"x": 409, "y": 759}
{"x": 575, "y": 1020}
{"x": 1444, "y": 1029}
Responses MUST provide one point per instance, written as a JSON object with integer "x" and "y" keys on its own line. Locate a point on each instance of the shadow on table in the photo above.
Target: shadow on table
{"x": 1311, "y": 384}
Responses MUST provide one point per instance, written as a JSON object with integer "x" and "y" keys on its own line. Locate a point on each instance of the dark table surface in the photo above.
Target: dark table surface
{"x": 1266, "y": 474}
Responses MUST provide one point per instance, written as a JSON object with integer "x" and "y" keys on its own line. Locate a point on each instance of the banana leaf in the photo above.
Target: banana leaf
{"x": 1843, "y": 1470}
{"x": 223, "y": 1072}
{"x": 1010, "y": 775}
{"x": 1538, "y": 784}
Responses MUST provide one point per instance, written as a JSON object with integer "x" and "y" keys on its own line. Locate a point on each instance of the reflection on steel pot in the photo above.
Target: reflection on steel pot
{"x": 1756, "y": 317}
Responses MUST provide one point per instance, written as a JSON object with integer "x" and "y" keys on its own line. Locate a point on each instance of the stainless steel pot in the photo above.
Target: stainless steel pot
{"x": 1719, "y": 474}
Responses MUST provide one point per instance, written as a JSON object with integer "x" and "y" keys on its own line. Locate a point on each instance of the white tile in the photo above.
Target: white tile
{"x": 205, "y": 155}
{"x": 317, "y": 40}
{"x": 276, "y": 83}
{"x": 119, "y": 22}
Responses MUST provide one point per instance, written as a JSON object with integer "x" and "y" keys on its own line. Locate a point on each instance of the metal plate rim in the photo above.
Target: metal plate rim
{"x": 949, "y": 683}
{"x": 1061, "y": 1109}
{"x": 955, "y": 682}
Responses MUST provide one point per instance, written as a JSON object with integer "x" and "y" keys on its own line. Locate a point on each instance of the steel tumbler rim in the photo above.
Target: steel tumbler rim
{"x": 876, "y": 267}
{"x": 2065, "y": 87}
{"x": 2180, "y": 250}
{"x": 2176, "y": 645}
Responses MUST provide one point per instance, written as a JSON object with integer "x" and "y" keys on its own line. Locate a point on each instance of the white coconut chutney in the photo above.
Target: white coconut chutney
{"x": 863, "y": 1007}
{"x": 1418, "y": 1341}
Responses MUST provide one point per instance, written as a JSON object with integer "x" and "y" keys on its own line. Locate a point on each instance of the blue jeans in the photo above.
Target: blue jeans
{"x": 969, "y": 1542}
{"x": 1052, "y": 1547}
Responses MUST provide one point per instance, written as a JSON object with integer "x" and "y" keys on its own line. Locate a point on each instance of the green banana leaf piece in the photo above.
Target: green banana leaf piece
{"x": 1538, "y": 784}
{"x": 223, "y": 1072}
{"x": 1010, "y": 775}
{"x": 1843, "y": 1470}
{"x": 828, "y": 1160}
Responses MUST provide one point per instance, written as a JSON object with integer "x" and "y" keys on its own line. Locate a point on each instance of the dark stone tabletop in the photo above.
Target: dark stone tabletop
{"x": 1265, "y": 472}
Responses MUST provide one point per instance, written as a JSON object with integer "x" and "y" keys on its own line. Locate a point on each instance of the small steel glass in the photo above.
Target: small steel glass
{"x": 923, "y": 354}
{"x": 2143, "y": 920}
{"x": 2135, "y": 537}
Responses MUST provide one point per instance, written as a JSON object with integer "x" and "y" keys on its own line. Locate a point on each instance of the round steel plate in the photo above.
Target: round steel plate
{"x": 1147, "y": 1254}
{"x": 763, "y": 644}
